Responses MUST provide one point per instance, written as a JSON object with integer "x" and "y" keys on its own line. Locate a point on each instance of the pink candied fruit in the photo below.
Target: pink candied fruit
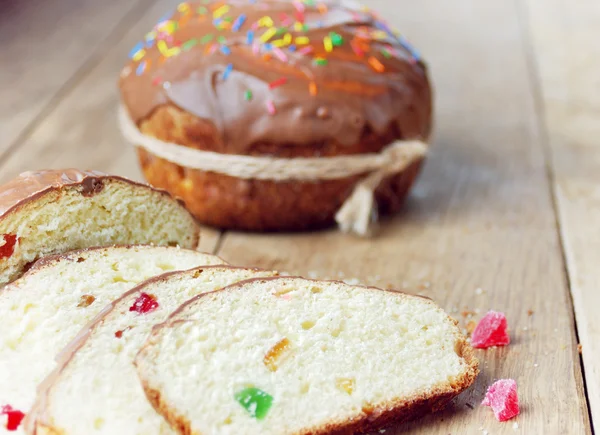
{"x": 491, "y": 331}
{"x": 502, "y": 397}
{"x": 144, "y": 304}
{"x": 15, "y": 417}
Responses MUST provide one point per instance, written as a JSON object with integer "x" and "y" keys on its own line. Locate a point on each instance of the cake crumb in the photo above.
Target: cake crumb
{"x": 579, "y": 348}
{"x": 530, "y": 312}
{"x": 312, "y": 274}
{"x": 478, "y": 291}
{"x": 515, "y": 425}
{"x": 535, "y": 364}
{"x": 471, "y": 327}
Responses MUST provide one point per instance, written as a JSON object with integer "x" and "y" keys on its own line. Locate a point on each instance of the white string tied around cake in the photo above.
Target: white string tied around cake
{"x": 355, "y": 213}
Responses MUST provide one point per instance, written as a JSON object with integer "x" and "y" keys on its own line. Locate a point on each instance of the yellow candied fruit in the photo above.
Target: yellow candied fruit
{"x": 283, "y": 291}
{"x": 274, "y": 355}
{"x": 345, "y": 384}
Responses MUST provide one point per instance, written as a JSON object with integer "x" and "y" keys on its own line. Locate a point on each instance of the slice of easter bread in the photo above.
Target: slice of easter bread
{"x": 45, "y": 309}
{"x": 98, "y": 366}
{"x": 54, "y": 211}
{"x": 295, "y": 356}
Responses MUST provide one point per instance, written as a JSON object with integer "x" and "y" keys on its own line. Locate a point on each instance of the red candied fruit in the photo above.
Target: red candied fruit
{"x": 491, "y": 330}
{"x": 8, "y": 248}
{"x": 144, "y": 304}
{"x": 502, "y": 397}
{"x": 15, "y": 417}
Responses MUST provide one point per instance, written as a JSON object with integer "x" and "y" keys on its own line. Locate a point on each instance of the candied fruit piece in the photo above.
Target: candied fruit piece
{"x": 502, "y": 397}
{"x": 144, "y": 304}
{"x": 85, "y": 301}
{"x": 255, "y": 401}
{"x": 8, "y": 247}
{"x": 15, "y": 417}
{"x": 345, "y": 384}
{"x": 491, "y": 331}
{"x": 274, "y": 355}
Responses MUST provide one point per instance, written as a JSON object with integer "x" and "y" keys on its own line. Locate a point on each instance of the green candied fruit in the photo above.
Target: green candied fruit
{"x": 255, "y": 401}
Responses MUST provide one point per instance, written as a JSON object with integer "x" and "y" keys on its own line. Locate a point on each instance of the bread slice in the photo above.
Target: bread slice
{"x": 99, "y": 365}
{"x": 50, "y": 212}
{"x": 295, "y": 356}
{"x": 44, "y": 309}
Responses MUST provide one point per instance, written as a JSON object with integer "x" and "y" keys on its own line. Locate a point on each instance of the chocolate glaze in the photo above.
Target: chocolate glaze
{"x": 352, "y": 97}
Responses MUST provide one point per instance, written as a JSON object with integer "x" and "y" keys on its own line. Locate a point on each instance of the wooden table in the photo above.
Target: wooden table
{"x": 506, "y": 215}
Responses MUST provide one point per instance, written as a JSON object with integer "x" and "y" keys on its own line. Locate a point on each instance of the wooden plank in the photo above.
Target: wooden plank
{"x": 566, "y": 52}
{"x": 46, "y": 44}
{"x": 81, "y": 129}
{"x": 479, "y": 232}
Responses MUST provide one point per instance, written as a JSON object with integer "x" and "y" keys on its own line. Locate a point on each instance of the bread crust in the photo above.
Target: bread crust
{"x": 227, "y": 202}
{"x": 384, "y": 415}
{"x": 30, "y": 186}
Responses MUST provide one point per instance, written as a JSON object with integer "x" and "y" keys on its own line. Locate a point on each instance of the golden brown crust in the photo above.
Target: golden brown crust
{"x": 262, "y": 205}
{"x": 372, "y": 418}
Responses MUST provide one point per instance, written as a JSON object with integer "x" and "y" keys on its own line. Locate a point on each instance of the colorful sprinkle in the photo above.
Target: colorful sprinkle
{"x": 336, "y": 39}
{"x": 136, "y": 49}
{"x": 312, "y": 88}
{"x": 280, "y": 54}
{"x": 302, "y": 40}
{"x": 221, "y": 11}
{"x": 227, "y": 71}
{"x": 321, "y": 61}
{"x": 271, "y": 107}
{"x": 250, "y": 37}
{"x": 266, "y": 21}
{"x": 206, "y": 38}
{"x": 162, "y": 47}
{"x": 376, "y": 64}
{"x": 268, "y": 34}
{"x": 357, "y": 49}
{"x": 386, "y": 53}
{"x": 140, "y": 68}
{"x": 189, "y": 44}
{"x": 248, "y": 95}
{"x": 279, "y": 82}
{"x": 139, "y": 55}
{"x": 238, "y": 23}
{"x": 306, "y": 50}
{"x": 225, "y": 50}
{"x": 327, "y": 44}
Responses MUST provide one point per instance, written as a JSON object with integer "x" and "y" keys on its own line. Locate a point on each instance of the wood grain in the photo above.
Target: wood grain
{"x": 481, "y": 218}
{"x": 81, "y": 129}
{"x": 566, "y": 54}
{"x": 46, "y": 45}
{"x": 479, "y": 232}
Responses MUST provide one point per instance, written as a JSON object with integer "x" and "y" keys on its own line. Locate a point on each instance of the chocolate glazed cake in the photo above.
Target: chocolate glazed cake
{"x": 279, "y": 79}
